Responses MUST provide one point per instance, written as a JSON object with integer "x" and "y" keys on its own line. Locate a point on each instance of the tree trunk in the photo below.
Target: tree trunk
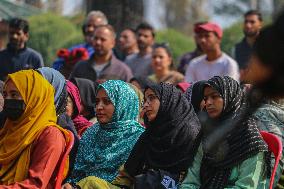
{"x": 35, "y": 3}
{"x": 120, "y": 13}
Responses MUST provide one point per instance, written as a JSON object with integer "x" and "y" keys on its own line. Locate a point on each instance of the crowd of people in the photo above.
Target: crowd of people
{"x": 137, "y": 122}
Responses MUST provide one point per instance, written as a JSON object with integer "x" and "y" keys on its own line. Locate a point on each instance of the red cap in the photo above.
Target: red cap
{"x": 210, "y": 27}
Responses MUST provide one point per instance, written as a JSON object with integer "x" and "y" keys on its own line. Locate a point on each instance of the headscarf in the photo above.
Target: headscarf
{"x": 143, "y": 82}
{"x": 104, "y": 148}
{"x": 17, "y": 137}
{"x": 194, "y": 94}
{"x": 88, "y": 90}
{"x": 80, "y": 122}
{"x": 241, "y": 143}
{"x": 57, "y": 80}
{"x": 168, "y": 142}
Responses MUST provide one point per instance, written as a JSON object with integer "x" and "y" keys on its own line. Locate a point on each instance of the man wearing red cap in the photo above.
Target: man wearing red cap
{"x": 214, "y": 62}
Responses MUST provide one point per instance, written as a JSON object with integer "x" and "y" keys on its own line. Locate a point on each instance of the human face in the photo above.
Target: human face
{"x": 17, "y": 38}
{"x": 151, "y": 104}
{"x": 161, "y": 60}
{"x": 252, "y": 25}
{"x": 127, "y": 40}
{"x": 214, "y": 103}
{"x": 144, "y": 39}
{"x": 69, "y": 106}
{"x": 103, "y": 41}
{"x": 208, "y": 41}
{"x": 11, "y": 91}
{"x": 92, "y": 24}
{"x": 104, "y": 107}
{"x": 136, "y": 84}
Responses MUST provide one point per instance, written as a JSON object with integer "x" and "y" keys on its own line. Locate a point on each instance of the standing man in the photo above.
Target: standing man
{"x": 17, "y": 56}
{"x": 93, "y": 20}
{"x": 251, "y": 29}
{"x": 140, "y": 63}
{"x": 128, "y": 43}
{"x": 187, "y": 57}
{"x": 103, "y": 64}
{"x": 214, "y": 62}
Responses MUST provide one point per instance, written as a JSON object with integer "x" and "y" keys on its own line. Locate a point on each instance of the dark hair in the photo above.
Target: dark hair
{"x": 109, "y": 27}
{"x": 254, "y": 12}
{"x": 19, "y": 23}
{"x": 165, "y": 46}
{"x": 130, "y": 29}
{"x": 84, "y": 28}
{"x": 145, "y": 26}
{"x": 269, "y": 48}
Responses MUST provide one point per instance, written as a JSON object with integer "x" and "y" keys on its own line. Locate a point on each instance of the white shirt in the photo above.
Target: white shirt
{"x": 202, "y": 69}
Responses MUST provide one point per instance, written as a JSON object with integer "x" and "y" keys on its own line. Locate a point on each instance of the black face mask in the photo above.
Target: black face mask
{"x": 13, "y": 109}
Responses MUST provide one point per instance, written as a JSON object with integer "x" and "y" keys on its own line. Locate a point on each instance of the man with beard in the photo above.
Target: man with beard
{"x": 243, "y": 49}
{"x": 93, "y": 20}
{"x": 128, "y": 43}
{"x": 103, "y": 62}
{"x": 140, "y": 63}
{"x": 17, "y": 56}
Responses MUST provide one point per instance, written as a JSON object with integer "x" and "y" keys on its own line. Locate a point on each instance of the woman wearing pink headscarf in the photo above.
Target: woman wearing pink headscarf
{"x": 73, "y": 109}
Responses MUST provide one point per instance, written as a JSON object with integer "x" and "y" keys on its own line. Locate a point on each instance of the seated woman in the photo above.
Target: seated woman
{"x": 167, "y": 146}
{"x": 73, "y": 109}
{"x": 140, "y": 82}
{"x": 31, "y": 143}
{"x": 194, "y": 95}
{"x": 162, "y": 62}
{"x": 57, "y": 80}
{"x": 88, "y": 90}
{"x": 239, "y": 160}
{"x": 105, "y": 146}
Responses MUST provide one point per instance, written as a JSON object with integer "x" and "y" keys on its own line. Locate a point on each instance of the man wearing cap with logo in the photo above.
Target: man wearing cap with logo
{"x": 214, "y": 61}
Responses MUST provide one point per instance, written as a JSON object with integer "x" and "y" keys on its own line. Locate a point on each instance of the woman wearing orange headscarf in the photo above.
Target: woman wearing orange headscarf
{"x": 31, "y": 143}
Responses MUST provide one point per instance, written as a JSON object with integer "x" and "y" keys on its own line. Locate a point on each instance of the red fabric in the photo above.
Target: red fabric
{"x": 183, "y": 86}
{"x": 74, "y": 56}
{"x": 80, "y": 122}
{"x": 45, "y": 155}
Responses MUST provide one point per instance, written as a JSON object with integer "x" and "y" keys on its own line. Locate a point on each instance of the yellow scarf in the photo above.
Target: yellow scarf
{"x": 16, "y": 138}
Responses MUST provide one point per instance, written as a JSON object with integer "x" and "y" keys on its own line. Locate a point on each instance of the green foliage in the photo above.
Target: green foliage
{"x": 231, "y": 36}
{"x": 48, "y": 33}
{"x": 179, "y": 43}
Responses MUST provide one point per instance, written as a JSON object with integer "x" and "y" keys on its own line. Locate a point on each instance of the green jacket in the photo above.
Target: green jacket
{"x": 247, "y": 175}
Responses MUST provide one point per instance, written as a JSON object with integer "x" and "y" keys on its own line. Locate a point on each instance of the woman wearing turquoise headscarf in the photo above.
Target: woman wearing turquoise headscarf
{"x": 105, "y": 146}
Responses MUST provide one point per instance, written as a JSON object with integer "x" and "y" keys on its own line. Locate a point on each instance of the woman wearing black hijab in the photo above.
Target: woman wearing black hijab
{"x": 167, "y": 147}
{"x": 239, "y": 160}
{"x": 87, "y": 89}
{"x": 194, "y": 95}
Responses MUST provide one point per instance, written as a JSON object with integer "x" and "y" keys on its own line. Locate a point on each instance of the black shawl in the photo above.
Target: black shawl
{"x": 194, "y": 94}
{"x": 243, "y": 142}
{"x": 169, "y": 141}
{"x": 88, "y": 90}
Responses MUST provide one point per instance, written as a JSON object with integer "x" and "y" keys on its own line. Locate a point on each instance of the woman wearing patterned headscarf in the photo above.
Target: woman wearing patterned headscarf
{"x": 239, "y": 160}
{"x": 31, "y": 143}
{"x": 167, "y": 146}
{"x": 105, "y": 146}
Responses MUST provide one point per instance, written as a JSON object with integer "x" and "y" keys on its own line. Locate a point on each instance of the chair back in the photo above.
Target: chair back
{"x": 275, "y": 146}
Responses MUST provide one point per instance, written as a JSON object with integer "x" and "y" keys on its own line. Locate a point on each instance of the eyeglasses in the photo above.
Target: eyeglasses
{"x": 151, "y": 98}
